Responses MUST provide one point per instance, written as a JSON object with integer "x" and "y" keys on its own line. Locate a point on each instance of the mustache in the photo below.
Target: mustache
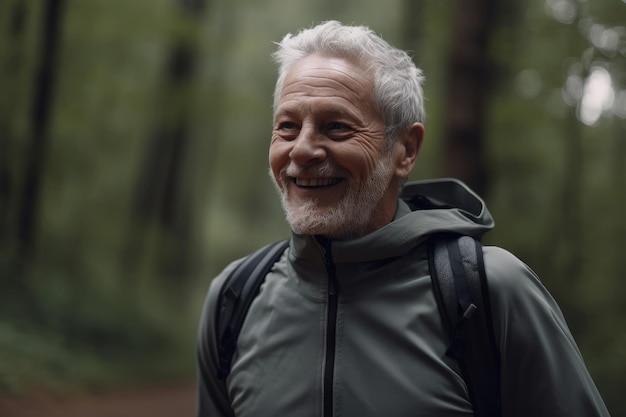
{"x": 325, "y": 169}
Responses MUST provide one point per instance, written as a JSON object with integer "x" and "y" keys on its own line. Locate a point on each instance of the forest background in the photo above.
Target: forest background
{"x": 133, "y": 143}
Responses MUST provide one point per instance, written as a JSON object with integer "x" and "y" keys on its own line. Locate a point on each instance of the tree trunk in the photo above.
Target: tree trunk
{"x": 469, "y": 73}
{"x": 618, "y": 174}
{"x": 569, "y": 242}
{"x": 11, "y": 64}
{"x": 37, "y": 147}
{"x": 161, "y": 197}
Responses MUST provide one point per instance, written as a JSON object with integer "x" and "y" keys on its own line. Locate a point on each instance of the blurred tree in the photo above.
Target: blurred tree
{"x": 567, "y": 213}
{"x": 618, "y": 175}
{"x": 11, "y": 66}
{"x": 38, "y": 143}
{"x": 468, "y": 89}
{"x": 162, "y": 198}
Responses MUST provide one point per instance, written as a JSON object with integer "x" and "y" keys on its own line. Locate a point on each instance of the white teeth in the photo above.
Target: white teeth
{"x": 315, "y": 182}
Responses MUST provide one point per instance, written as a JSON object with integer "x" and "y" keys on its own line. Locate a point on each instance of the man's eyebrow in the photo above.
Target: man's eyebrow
{"x": 324, "y": 111}
{"x": 342, "y": 113}
{"x": 285, "y": 111}
{"x": 335, "y": 111}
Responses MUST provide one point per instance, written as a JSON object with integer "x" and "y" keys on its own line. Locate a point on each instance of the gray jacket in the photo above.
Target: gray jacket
{"x": 352, "y": 329}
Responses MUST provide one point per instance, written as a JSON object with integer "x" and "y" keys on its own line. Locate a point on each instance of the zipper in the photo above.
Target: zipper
{"x": 331, "y": 329}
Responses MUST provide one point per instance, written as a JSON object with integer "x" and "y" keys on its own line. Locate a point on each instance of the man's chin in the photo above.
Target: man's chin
{"x": 310, "y": 221}
{"x": 328, "y": 225}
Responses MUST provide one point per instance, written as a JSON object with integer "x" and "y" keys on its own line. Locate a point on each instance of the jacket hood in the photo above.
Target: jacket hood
{"x": 424, "y": 208}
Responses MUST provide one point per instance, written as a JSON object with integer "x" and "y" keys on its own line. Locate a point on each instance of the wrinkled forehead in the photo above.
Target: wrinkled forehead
{"x": 321, "y": 75}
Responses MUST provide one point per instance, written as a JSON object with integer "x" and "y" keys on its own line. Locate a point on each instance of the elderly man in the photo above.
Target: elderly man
{"x": 346, "y": 322}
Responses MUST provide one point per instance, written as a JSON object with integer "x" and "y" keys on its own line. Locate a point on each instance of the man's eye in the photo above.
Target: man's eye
{"x": 288, "y": 130}
{"x": 337, "y": 126}
{"x": 338, "y": 130}
{"x": 288, "y": 126}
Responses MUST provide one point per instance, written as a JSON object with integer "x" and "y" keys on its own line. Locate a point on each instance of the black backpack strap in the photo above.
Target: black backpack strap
{"x": 236, "y": 296}
{"x": 460, "y": 285}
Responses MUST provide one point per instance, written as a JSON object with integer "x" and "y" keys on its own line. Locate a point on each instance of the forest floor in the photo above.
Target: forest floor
{"x": 169, "y": 401}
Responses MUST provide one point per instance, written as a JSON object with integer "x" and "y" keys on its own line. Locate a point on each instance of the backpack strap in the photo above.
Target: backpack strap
{"x": 460, "y": 286}
{"x": 236, "y": 296}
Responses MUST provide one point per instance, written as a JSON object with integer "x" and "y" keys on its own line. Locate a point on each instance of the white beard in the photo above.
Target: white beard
{"x": 350, "y": 217}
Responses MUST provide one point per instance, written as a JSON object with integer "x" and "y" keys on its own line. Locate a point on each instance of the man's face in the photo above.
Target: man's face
{"x": 327, "y": 155}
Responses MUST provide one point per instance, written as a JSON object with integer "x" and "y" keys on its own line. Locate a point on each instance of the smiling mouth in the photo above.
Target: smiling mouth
{"x": 316, "y": 182}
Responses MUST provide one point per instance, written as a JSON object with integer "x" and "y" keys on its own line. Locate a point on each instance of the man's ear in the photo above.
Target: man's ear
{"x": 408, "y": 148}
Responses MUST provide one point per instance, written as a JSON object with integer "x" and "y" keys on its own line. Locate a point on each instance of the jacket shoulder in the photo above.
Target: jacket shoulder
{"x": 508, "y": 276}
{"x": 542, "y": 370}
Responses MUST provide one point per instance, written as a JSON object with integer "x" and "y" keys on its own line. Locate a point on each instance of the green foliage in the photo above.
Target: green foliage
{"x": 63, "y": 332}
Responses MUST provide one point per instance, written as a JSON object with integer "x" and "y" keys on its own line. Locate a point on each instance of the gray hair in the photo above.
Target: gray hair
{"x": 397, "y": 81}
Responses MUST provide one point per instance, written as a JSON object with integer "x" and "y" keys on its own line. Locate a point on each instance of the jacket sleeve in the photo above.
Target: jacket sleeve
{"x": 212, "y": 400}
{"x": 542, "y": 370}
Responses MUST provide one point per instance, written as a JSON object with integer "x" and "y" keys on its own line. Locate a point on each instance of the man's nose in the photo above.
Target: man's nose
{"x": 309, "y": 147}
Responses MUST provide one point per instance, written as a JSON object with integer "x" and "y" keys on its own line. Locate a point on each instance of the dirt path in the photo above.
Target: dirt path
{"x": 173, "y": 401}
